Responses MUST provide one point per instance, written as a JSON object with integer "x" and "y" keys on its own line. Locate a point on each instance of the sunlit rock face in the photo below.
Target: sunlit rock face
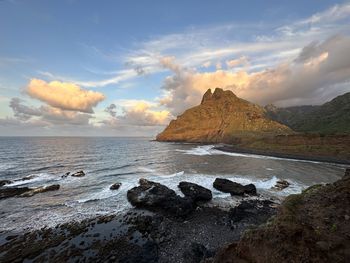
{"x": 221, "y": 117}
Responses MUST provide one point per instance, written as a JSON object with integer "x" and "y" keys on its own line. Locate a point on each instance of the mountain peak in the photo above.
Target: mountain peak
{"x": 219, "y": 94}
{"x": 221, "y": 117}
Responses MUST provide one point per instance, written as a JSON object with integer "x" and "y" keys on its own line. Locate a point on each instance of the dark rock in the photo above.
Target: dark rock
{"x": 78, "y": 174}
{"x": 155, "y": 196}
{"x": 195, "y": 191}
{"x": 281, "y": 184}
{"x": 3, "y": 182}
{"x": 40, "y": 189}
{"x": 227, "y": 186}
{"x": 196, "y": 253}
{"x": 115, "y": 186}
{"x": 65, "y": 175}
{"x": 250, "y": 189}
{"x": 147, "y": 254}
{"x": 13, "y": 191}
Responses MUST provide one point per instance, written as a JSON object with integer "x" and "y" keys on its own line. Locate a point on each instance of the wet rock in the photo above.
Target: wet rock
{"x": 281, "y": 184}
{"x": 196, "y": 253}
{"x": 250, "y": 189}
{"x": 233, "y": 188}
{"x": 65, "y": 175}
{"x": 195, "y": 191}
{"x": 78, "y": 174}
{"x": 347, "y": 172}
{"x": 3, "y": 182}
{"x": 115, "y": 186}
{"x": 147, "y": 254}
{"x": 155, "y": 196}
{"x": 40, "y": 189}
{"x": 13, "y": 191}
{"x": 249, "y": 208}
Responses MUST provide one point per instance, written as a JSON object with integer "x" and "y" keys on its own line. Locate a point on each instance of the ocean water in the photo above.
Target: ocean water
{"x": 126, "y": 160}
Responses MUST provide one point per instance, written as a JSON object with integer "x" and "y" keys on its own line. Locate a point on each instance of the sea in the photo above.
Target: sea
{"x": 125, "y": 160}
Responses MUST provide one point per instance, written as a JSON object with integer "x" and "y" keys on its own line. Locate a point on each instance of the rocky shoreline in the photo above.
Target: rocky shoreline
{"x": 166, "y": 227}
{"x": 163, "y": 227}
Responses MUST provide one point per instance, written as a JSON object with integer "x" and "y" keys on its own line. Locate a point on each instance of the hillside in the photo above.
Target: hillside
{"x": 330, "y": 118}
{"x": 222, "y": 117}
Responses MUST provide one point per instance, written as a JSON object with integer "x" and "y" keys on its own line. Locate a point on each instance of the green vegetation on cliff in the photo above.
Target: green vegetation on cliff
{"x": 330, "y": 118}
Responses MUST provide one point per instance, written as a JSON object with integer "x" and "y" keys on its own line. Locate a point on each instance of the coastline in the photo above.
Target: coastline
{"x": 324, "y": 159}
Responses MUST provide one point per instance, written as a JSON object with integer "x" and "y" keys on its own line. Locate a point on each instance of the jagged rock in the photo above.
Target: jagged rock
{"x": 78, "y": 174}
{"x": 12, "y": 191}
{"x": 115, "y": 186}
{"x": 221, "y": 117}
{"x": 248, "y": 208}
{"x": 3, "y": 182}
{"x": 155, "y": 196}
{"x": 40, "y": 189}
{"x": 281, "y": 184}
{"x": 195, "y": 191}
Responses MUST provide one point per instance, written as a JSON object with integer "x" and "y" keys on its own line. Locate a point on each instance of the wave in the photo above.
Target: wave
{"x": 34, "y": 178}
{"x": 209, "y": 150}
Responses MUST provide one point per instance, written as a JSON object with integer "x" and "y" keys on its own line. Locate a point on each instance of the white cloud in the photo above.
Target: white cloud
{"x": 63, "y": 95}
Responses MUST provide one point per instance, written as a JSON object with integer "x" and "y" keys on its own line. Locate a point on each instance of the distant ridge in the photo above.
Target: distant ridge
{"x": 330, "y": 118}
{"x": 221, "y": 117}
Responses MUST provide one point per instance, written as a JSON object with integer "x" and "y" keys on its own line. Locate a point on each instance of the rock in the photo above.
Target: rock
{"x": 227, "y": 186}
{"x": 221, "y": 117}
{"x": 78, "y": 174}
{"x": 196, "y": 253}
{"x": 40, "y": 189}
{"x": 250, "y": 189}
{"x": 248, "y": 208}
{"x": 195, "y": 191}
{"x": 12, "y": 191}
{"x": 155, "y": 196}
{"x": 281, "y": 184}
{"x": 65, "y": 175}
{"x": 115, "y": 186}
{"x": 3, "y": 182}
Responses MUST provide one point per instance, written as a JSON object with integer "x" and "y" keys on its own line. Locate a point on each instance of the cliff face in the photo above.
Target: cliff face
{"x": 221, "y": 117}
{"x": 329, "y": 118}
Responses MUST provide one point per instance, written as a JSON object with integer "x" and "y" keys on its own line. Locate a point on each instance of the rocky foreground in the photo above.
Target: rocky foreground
{"x": 165, "y": 227}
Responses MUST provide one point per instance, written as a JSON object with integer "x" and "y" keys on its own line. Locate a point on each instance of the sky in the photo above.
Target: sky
{"x": 126, "y": 68}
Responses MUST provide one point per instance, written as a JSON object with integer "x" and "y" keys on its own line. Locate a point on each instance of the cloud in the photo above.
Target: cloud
{"x": 236, "y": 62}
{"x": 314, "y": 76}
{"x": 63, "y": 95}
{"x": 46, "y": 115}
{"x": 137, "y": 113}
{"x": 111, "y": 109}
{"x": 23, "y": 112}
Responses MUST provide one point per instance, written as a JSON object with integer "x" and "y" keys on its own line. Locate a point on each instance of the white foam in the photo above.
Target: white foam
{"x": 209, "y": 150}
{"x": 42, "y": 177}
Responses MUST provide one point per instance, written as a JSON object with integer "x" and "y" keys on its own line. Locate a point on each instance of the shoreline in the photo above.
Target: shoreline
{"x": 322, "y": 159}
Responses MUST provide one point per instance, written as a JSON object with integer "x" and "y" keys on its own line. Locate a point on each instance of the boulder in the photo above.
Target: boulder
{"x": 78, "y": 174}
{"x": 115, "y": 186}
{"x": 281, "y": 184}
{"x": 3, "y": 182}
{"x": 250, "y": 189}
{"x": 12, "y": 191}
{"x": 227, "y": 186}
{"x": 155, "y": 196}
{"x": 195, "y": 191}
{"x": 40, "y": 189}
